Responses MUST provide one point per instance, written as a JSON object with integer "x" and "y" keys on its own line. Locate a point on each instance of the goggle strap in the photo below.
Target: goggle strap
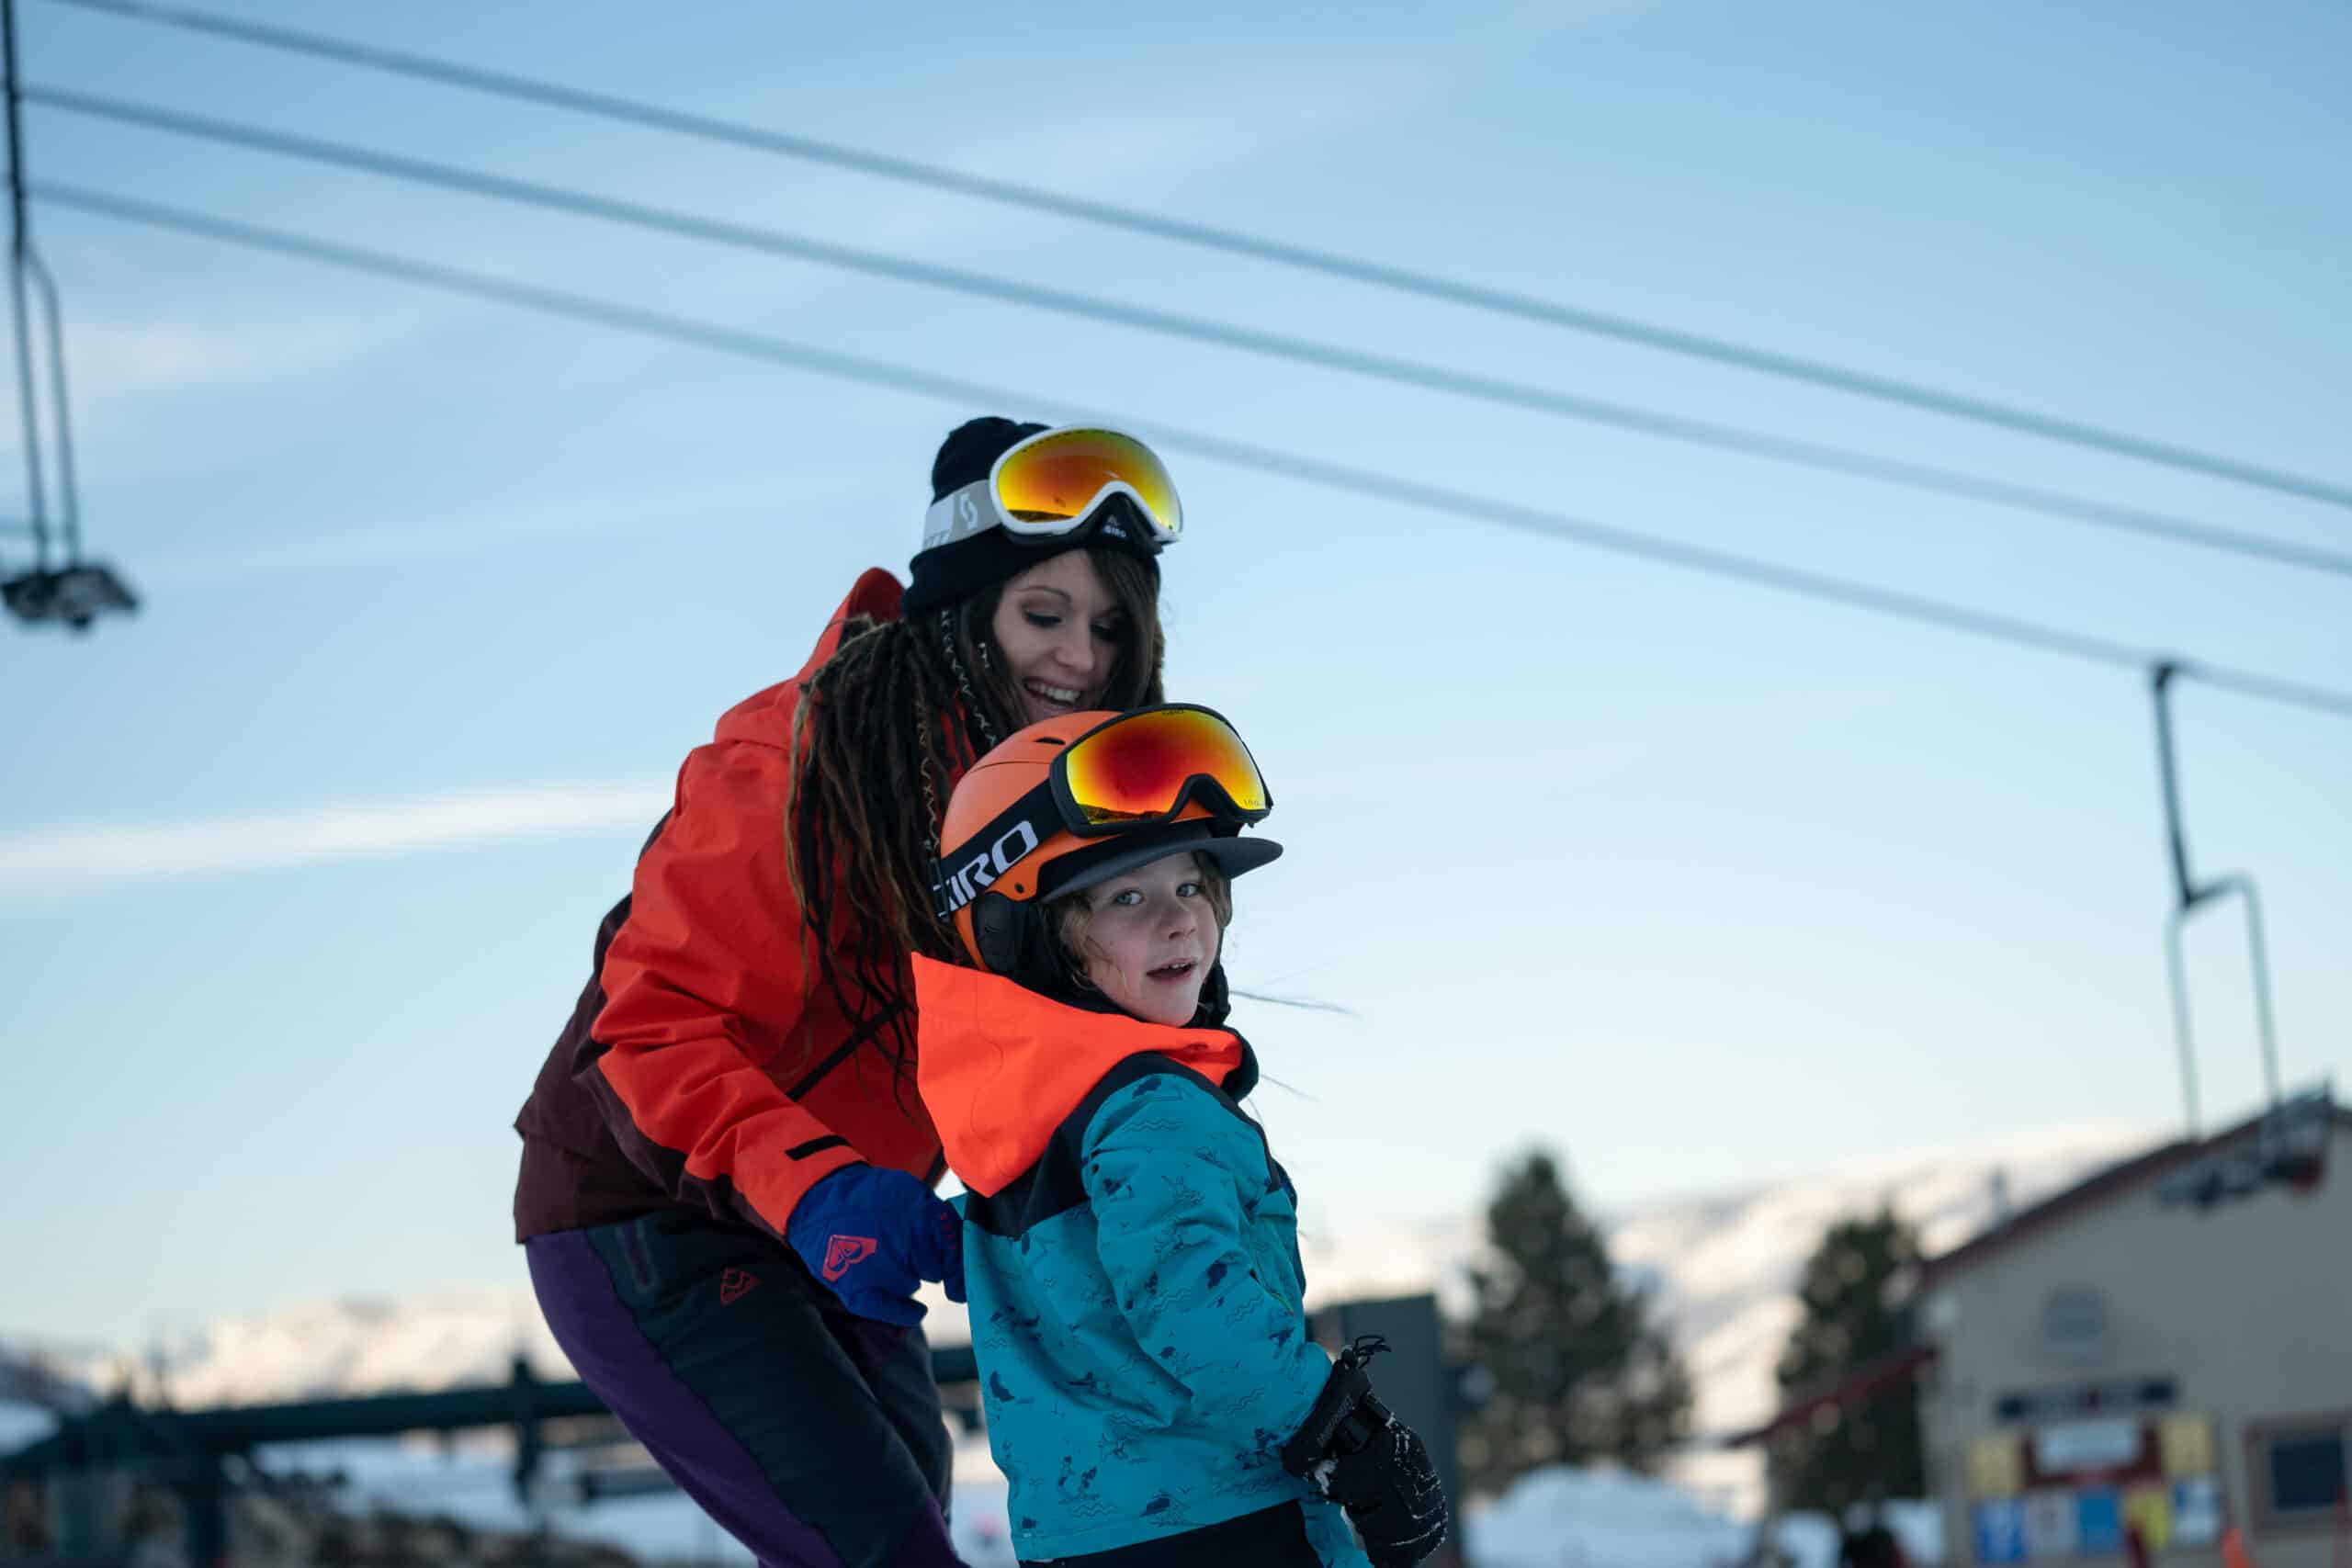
{"x": 993, "y": 850}
{"x": 960, "y": 514}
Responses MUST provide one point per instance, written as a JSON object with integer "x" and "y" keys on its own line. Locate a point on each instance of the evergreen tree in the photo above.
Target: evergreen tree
{"x": 1853, "y": 1293}
{"x": 1577, "y": 1369}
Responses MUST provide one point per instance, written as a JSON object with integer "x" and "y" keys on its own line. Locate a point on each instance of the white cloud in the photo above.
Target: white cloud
{"x": 1244, "y": 114}
{"x": 62, "y": 861}
{"x": 204, "y": 345}
{"x": 1124, "y": 153}
{"x": 671, "y": 510}
{"x": 125, "y": 366}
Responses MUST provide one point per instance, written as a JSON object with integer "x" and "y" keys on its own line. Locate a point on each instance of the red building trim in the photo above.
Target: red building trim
{"x": 1860, "y": 1386}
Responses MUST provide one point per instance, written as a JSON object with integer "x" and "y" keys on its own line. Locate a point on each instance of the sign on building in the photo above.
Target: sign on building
{"x": 2071, "y": 1490}
{"x": 2000, "y": 1531}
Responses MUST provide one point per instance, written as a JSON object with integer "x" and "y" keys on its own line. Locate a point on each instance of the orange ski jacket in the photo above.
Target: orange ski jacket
{"x": 706, "y": 1063}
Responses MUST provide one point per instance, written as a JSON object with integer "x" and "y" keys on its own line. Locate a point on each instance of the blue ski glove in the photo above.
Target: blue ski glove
{"x": 870, "y": 1234}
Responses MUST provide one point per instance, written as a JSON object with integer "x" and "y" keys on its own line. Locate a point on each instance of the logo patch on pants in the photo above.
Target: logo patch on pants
{"x": 843, "y": 1253}
{"x": 735, "y": 1284}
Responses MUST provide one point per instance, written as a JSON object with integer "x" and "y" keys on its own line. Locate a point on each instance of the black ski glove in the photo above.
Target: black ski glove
{"x": 1353, "y": 1451}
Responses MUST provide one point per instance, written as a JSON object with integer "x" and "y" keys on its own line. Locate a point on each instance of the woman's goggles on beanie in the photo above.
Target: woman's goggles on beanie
{"x": 1138, "y": 769}
{"x": 1060, "y": 482}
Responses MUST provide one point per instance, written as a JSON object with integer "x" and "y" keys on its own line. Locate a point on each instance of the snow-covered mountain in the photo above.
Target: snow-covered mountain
{"x": 433, "y": 1340}
{"x": 1724, "y": 1265}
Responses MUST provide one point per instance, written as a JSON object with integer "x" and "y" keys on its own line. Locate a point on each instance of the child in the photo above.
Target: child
{"x": 1130, "y": 1244}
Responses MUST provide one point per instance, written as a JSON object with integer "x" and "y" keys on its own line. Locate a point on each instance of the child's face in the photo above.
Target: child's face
{"x": 1152, "y": 938}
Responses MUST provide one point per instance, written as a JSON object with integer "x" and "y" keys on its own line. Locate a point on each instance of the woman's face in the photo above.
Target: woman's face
{"x": 1151, "y": 940}
{"x": 1059, "y": 632}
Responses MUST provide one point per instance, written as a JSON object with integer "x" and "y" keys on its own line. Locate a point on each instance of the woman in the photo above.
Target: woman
{"x": 726, "y": 1189}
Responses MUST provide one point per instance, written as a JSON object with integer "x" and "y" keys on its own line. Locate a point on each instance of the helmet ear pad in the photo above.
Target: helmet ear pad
{"x": 1017, "y": 938}
{"x": 998, "y": 929}
{"x": 1014, "y": 938}
{"x": 1217, "y": 996}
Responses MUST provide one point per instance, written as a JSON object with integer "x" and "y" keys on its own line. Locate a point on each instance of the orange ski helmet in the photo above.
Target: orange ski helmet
{"x": 1068, "y": 802}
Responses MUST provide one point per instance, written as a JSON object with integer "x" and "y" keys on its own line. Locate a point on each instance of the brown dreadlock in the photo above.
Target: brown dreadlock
{"x": 882, "y": 732}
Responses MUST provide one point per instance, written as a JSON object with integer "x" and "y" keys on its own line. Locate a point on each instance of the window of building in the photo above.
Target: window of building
{"x": 2074, "y": 1325}
{"x": 2306, "y": 1470}
{"x": 2300, "y": 1471}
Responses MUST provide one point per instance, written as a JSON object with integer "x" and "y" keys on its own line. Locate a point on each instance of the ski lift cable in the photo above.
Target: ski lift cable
{"x": 1354, "y": 269}
{"x": 1361, "y": 481}
{"x": 1427, "y": 376}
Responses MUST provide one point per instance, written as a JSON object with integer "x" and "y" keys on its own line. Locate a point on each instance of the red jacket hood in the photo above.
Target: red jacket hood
{"x": 765, "y": 718}
{"x": 1000, "y": 1066}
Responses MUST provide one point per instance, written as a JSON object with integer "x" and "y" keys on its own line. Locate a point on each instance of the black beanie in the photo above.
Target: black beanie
{"x": 947, "y": 573}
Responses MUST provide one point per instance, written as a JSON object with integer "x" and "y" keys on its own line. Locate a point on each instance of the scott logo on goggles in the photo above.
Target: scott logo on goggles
{"x": 963, "y": 884}
{"x": 964, "y": 519}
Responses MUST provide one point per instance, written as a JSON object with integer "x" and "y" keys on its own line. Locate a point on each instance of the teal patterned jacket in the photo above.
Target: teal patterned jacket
{"x": 1131, "y": 1260}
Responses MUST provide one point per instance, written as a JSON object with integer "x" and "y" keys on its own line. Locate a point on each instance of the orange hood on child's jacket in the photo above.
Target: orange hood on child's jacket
{"x": 999, "y": 1067}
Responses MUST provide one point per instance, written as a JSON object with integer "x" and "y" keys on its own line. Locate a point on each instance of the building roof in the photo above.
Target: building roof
{"x": 2116, "y": 1181}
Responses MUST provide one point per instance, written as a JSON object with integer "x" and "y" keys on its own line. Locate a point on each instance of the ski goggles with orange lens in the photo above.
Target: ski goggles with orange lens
{"x": 1060, "y": 482}
{"x": 1140, "y": 768}
{"x": 1146, "y": 766}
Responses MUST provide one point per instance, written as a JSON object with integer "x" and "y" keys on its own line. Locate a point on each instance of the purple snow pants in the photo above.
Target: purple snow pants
{"x": 811, "y": 1435}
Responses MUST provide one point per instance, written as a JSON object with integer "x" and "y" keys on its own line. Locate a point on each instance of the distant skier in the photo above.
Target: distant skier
{"x": 1130, "y": 1244}
{"x": 726, "y": 1189}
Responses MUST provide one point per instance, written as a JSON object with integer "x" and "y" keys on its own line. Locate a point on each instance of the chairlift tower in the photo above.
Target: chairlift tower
{"x": 72, "y": 591}
{"x": 2290, "y": 1145}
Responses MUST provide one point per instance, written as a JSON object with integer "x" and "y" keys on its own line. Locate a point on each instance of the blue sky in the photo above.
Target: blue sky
{"x": 1700, "y": 884}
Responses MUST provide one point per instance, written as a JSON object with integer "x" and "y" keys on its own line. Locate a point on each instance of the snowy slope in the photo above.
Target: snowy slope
{"x": 23, "y": 1424}
{"x": 470, "y": 1479}
{"x": 32, "y": 1391}
{"x": 1565, "y": 1517}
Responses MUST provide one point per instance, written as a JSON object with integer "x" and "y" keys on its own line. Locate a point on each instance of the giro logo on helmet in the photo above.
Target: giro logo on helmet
{"x": 969, "y": 881}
